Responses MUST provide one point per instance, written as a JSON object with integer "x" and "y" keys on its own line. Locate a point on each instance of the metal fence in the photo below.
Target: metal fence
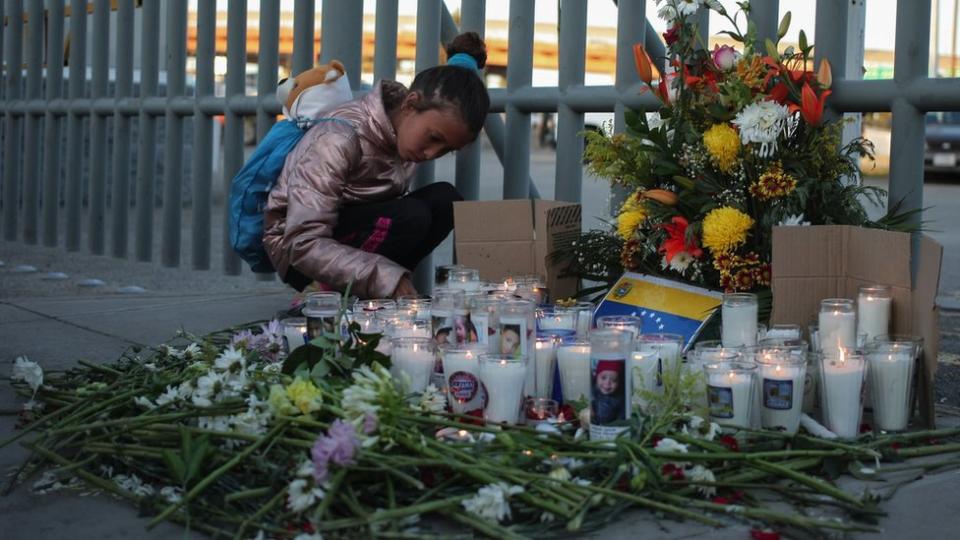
{"x": 31, "y": 187}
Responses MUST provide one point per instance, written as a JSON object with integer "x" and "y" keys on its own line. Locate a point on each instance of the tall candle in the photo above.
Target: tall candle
{"x": 609, "y": 405}
{"x": 730, "y": 388}
{"x": 574, "y": 362}
{"x": 413, "y": 357}
{"x": 627, "y": 323}
{"x": 874, "y": 305}
{"x": 461, "y": 367}
{"x": 781, "y": 386}
{"x": 890, "y": 374}
{"x": 546, "y": 361}
{"x": 739, "y": 320}
{"x": 842, "y": 380}
{"x": 584, "y": 318}
{"x": 837, "y": 325}
{"x": 667, "y": 347}
{"x": 644, "y": 376}
{"x": 503, "y": 376}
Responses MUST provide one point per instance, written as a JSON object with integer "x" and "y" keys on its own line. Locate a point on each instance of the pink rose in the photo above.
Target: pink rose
{"x": 725, "y": 57}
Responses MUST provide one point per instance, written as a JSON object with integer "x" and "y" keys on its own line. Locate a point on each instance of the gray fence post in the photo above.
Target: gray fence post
{"x": 120, "y": 189}
{"x": 467, "y": 172}
{"x": 98, "y": 127}
{"x": 77, "y": 89}
{"x": 385, "y": 42}
{"x": 573, "y": 47}
{"x": 11, "y": 136}
{"x": 147, "y": 152}
{"x": 233, "y": 121}
{"x": 341, "y": 36}
{"x": 628, "y": 33}
{"x": 31, "y": 154}
{"x": 202, "y": 137}
{"x": 52, "y": 124}
{"x": 516, "y": 163}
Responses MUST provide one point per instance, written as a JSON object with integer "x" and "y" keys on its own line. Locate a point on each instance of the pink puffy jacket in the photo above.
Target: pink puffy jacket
{"x": 337, "y": 164}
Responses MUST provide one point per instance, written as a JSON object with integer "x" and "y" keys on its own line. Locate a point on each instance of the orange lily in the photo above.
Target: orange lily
{"x": 811, "y": 107}
{"x": 824, "y": 75}
{"x": 643, "y": 63}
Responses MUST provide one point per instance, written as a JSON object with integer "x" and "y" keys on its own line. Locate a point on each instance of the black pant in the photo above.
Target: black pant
{"x": 404, "y": 230}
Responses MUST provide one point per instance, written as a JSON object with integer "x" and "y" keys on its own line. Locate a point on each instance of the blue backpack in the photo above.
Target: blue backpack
{"x": 251, "y": 187}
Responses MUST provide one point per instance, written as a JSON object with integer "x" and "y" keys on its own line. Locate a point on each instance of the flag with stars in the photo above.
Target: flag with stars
{"x": 666, "y": 306}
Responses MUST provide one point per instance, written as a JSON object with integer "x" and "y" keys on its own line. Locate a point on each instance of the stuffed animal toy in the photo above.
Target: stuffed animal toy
{"x": 307, "y": 95}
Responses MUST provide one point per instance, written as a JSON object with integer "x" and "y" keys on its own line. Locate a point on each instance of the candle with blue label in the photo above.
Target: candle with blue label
{"x": 781, "y": 385}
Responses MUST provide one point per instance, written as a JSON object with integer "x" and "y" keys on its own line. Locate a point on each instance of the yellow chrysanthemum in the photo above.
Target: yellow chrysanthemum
{"x": 725, "y": 228}
{"x": 723, "y": 144}
{"x": 304, "y": 395}
{"x": 632, "y": 214}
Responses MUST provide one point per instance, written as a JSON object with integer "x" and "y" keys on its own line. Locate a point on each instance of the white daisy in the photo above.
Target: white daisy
{"x": 699, "y": 473}
{"x": 302, "y": 494}
{"x": 27, "y": 371}
{"x": 492, "y": 501}
{"x": 670, "y": 445}
{"x": 230, "y": 360}
{"x": 433, "y": 400}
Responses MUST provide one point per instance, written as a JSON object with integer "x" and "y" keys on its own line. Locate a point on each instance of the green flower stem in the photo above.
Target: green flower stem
{"x": 87, "y": 476}
{"x": 816, "y": 441}
{"x": 297, "y": 443}
{"x": 886, "y": 440}
{"x": 270, "y": 505}
{"x": 769, "y": 515}
{"x": 40, "y": 422}
{"x": 101, "y": 369}
{"x": 248, "y": 493}
{"x": 304, "y": 421}
{"x": 924, "y": 466}
{"x": 123, "y": 449}
{"x": 650, "y": 503}
{"x": 134, "y": 421}
{"x": 331, "y": 491}
{"x": 233, "y": 462}
{"x": 744, "y": 456}
{"x": 396, "y": 513}
{"x": 927, "y": 450}
{"x": 756, "y": 474}
{"x": 493, "y": 530}
{"x": 815, "y": 483}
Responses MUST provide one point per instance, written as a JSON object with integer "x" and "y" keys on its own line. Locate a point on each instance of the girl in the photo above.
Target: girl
{"x": 338, "y": 212}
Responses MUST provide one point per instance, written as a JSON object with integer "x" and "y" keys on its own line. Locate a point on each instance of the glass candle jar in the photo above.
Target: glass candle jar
{"x": 466, "y": 279}
{"x": 375, "y": 305}
{"x": 837, "y": 325}
{"x": 609, "y": 350}
{"x": 413, "y": 357}
{"x": 322, "y": 311}
{"x": 545, "y": 358}
{"x": 841, "y": 388}
{"x": 667, "y": 348}
{"x": 627, "y": 323}
{"x": 294, "y": 331}
{"x": 482, "y": 314}
{"x": 442, "y": 273}
{"x": 573, "y": 360}
{"x": 446, "y": 303}
{"x": 417, "y": 306}
{"x": 739, "y": 315}
{"x": 461, "y": 368}
{"x": 584, "y": 317}
{"x": 503, "y": 376}
{"x": 731, "y": 392}
{"x": 890, "y": 368}
{"x": 874, "y": 307}
{"x": 782, "y": 377}
{"x": 515, "y": 327}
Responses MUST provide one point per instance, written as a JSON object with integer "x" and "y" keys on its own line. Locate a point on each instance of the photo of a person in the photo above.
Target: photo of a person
{"x": 442, "y": 336}
{"x": 464, "y": 329}
{"x": 510, "y": 339}
{"x": 441, "y": 326}
{"x": 609, "y": 400}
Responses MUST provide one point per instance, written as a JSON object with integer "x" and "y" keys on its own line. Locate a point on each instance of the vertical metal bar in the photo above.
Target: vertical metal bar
{"x": 764, "y": 14}
{"x": 912, "y": 50}
{"x": 202, "y": 136}
{"x": 267, "y": 62}
{"x": 173, "y": 148}
{"x": 31, "y": 154}
{"x": 120, "y": 189}
{"x": 52, "y": 124}
{"x": 385, "y": 42}
{"x": 628, "y": 33}
{"x": 11, "y": 135}
{"x": 76, "y": 90}
{"x": 233, "y": 121}
{"x": 472, "y": 19}
{"x": 98, "y": 127}
{"x": 304, "y": 13}
{"x": 428, "y": 55}
{"x": 147, "y": 152}
{"x": 831, "y": 33}
{"x": 341, "y": 35}
{"x": 703, "y": 26}
{"x": 573, "y": 47}
{"x": 516, "y": 167}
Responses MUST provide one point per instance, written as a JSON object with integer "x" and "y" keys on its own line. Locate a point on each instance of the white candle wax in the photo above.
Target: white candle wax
{"x": 481, "y": 321}
{"x": 837, "y": 329}
{"x": 873, "y": 316}
{"x": 729, "y": 396}
{"x": 504, "y": 383}
{"x": 574, "y": 362}
{"x": 781, "y": 396}
{"x": 462, "y": 371}
{"x": 739, "y": 325}
{"x": 465, "y": 285}
{"x": 842, "y": 383}
{"x": 890, "y": 379}
{"x": 644, "y": 376}
{"x": 418, "y": 364}
{"x": 562, "y": 321}
{"x": 546, "y": 360}
{"x": 583, "y": 322}
{"x": 668, "y": 354}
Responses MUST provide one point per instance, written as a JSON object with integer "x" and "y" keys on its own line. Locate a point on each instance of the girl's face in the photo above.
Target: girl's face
{"x": 607, "y": 381}
{"x": 509, "y": 341}
{"x": 426, "y": 135}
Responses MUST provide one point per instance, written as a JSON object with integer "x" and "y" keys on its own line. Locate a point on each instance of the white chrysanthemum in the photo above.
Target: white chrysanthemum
{"x": 667, "y": 13}
{"x": 670, "y": 445}
{"x": 230, "y": 360}
{"x": 191, "y": 351}
{"x": 208, "y": 386}
{"x": 560, "y": 473}
{"x": 172, "y": 494}
{"x": 214, "y": 423}
{"x": 681, "y": 261}
{"x": 27, "y": 371}
{"x": 695, "y": 422}
{"x": 793, "y": 221}
{"x": 144, "y": 402}
{"x": 170, "y": 395}
{"x": 712, "y": 431}
{"x": 150, "y": 366}
{"x": 699, "y": 473}
{"x": 492, "y": 502}
{"x": 687, "y": 7}
{"x": 133, "y": 484}
{"x": 762, "y": 123}
{"x": 433, "y": 400}
{"x": 363, "y": 397}
{"x": 302, "y": 494}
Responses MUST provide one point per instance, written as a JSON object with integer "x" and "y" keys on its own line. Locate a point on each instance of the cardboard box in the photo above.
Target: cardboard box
{"x": 832, "y": 261}
{"x": 514, "y": 237}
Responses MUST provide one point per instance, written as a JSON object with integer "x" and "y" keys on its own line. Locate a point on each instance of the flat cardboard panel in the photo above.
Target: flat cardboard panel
{"x": 497, "y": 260}
{"x": 870, "y": 253}
{"x": 493, "y": 221}
{"x": 809, "y": 251}
{"x": 796, "y": 300}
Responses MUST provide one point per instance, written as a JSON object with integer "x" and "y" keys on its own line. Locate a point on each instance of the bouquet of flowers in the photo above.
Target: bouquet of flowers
{"x": 740, "y": 143}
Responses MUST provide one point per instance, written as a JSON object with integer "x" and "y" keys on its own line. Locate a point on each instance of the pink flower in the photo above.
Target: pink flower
{"x": 339, "y": 446}
{"x": 724, "y": 57}
{"x": 370, "y": 422}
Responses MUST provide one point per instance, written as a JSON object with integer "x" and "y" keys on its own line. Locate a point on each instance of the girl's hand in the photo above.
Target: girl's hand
{"x": 404, "y": 288}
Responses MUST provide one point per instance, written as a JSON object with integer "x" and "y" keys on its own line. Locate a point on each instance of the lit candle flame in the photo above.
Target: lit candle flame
{"x": 462, "y": 433}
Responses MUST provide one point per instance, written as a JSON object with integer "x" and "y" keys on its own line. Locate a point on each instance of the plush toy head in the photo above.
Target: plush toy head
{"x": 316, "y": 90}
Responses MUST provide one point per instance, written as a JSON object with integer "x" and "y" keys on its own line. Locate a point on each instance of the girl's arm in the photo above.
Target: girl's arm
{"x": 314, "y": 194}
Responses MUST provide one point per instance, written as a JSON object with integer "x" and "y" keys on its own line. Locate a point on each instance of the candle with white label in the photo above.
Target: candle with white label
{"x": 837, "y": 325}
{"x": 782, "y": 377}
{"x": 874, "y": 304}
{"x": 643, "y": 367}
{"x": 667, "y": 348}
{"x": 584, "y": 318}
{"x": 730, "y": 387}
{"x": 574, "y": 362}
{"x": 461, "y": 367}
{"x": 739, "y": 319}
{"x": 546, "y": 360}
{"x": 890, "y": 374}
{"x": 413, "y": 357}
{"x": 842, "y": 377}
{"x": 503, "y": 377}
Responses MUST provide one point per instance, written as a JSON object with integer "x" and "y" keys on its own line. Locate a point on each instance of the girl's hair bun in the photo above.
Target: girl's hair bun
{"x": 469, "y": 43}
